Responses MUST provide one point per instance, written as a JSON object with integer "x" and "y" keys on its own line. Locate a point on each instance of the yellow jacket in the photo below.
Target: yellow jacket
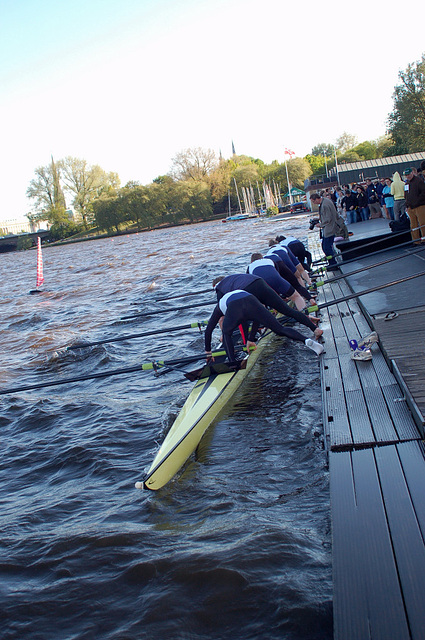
{"x": 397, "y": 187}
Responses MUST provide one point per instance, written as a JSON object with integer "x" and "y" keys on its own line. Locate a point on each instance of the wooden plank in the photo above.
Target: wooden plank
{"x": 360, "y": 426}
{"x": 336, "y": 420}
{"x": 368, "y": 602}
{"x": 405, "y": 534}
{"x": 412, "y": 457}
{"x": 401, "y": 416}
{"x": 380, "y": 418}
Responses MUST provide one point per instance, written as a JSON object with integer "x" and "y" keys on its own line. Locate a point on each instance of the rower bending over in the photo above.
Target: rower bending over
{"x": 265, "y": 294}
{"x": 287, "y": 273}
{"x": 297, "y": 248}
{"x": 238, "y": 308}
{"x": 266, "y": 268}
{"x": 301, "y": 273}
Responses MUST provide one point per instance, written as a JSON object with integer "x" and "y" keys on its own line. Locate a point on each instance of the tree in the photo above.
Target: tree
{"x": 366, "y": 150}
{"x": 47, "y": 192}
{"x": 86, "y": 183}
{"x": 406, "y": 122}
{"x": 323, "y": 149}
{"x": 107, "y": 213}
{"x": 345, "y": 142}
{"x": 317, "y": 164}
{"x": 193, "y": 164}
{"x": 349, "y": 156}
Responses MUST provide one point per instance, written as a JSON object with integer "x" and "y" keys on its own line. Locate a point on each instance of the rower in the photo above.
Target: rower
{"x": 288, "y": 274}
{"x": 266, "y": 268}
{"x": 265, "y": 294}
{"x": 239, "y": 307}
{"x": 298, "y": 249}
{"x": 281, "y": 250}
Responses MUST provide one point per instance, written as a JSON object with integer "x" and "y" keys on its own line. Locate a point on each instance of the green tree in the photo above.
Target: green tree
{"x": 406, "y": 122}
{"x": 86, "y": 183}
{"x": 107, "y": 213}
{"x": 366, "y": 150}
{"x": 317, "y": 164}
{"x": 45, "y": 189}
{"x": 323, "y": 149}
{"x": 349, "y": 156}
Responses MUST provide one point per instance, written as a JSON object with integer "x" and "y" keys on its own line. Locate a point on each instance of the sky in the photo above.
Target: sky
{"x": 128, "y": 84}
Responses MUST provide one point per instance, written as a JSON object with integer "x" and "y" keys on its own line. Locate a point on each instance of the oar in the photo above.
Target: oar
{"x": 367, "y": 255}
{"x": 363, "y": 293}
{"x": 153, "y": 312}
{"x": 184, "y": 295}
{"x": 192, "y": 325}
{"x": 368, "y": 244}
{"x": 146, "y": 366}
{"x": 381, "y": 239}
{"x": 320, "y": 283}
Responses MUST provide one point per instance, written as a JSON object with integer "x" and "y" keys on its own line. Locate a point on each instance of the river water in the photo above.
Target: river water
{"x": 238, "y": 544}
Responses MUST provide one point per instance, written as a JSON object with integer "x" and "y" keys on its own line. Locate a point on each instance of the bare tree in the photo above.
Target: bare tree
{"x": 193, "y": 164}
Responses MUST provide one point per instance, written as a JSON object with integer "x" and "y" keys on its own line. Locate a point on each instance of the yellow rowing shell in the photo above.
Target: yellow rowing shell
{"x": 208, "y": 397}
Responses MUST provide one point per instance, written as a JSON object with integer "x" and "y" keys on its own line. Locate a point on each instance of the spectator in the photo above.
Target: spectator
{"x": 349, "y": 203}
{"x": 329, "y": 227}
{"x": 379, "y": 186}
{"x": 415, "y": 202}
{"x": 373, "y": 200}
{"x": 362, "y": 203}
{"x": 388, "y": 199}
{"x": 339, "y": 196}
{"x": 397, "y": 190}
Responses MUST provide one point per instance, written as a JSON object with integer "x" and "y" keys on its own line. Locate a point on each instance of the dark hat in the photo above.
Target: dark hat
{"x": 407, "y": 171}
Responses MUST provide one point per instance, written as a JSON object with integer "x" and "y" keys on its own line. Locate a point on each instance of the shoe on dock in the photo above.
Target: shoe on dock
{"x": 314, "y": 346}
{"x": 366, "y": 343}
{"x": 361, "y": 354}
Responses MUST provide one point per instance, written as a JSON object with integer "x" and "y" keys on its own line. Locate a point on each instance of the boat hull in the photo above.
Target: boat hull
{"x": 208, "y": 397}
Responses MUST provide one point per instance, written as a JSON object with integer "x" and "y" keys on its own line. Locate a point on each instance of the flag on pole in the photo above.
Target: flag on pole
{"x": 233, "y": 149}
{"x": 40, "y": 278}
{"x": 290, "y": 153}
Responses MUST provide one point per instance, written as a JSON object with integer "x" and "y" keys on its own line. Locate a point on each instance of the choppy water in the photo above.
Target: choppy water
{"x": 238, "y": 544}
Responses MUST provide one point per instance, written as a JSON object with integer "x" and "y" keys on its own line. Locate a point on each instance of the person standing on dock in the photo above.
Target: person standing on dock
{"x": 328, "y": 224}
{"x": 238, "y": 308}
{"x": 415, "y": 202}
{"x": 398, "y": 193}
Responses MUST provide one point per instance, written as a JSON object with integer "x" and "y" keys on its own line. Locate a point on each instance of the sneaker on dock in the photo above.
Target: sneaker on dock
{"x": 366, "y": 343}
{"x": 361, "y": 354}
{"x": 314, "y": 346}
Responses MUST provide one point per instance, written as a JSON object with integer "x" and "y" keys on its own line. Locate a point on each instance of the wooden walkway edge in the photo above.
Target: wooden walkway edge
{"x": 377, "y": 483}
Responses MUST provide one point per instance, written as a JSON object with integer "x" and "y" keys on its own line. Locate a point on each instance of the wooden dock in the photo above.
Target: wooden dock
{"x": 373, "y": 426}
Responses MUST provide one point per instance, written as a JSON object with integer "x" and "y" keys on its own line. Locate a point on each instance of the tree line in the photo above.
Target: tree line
{"x": 200, "y": 185}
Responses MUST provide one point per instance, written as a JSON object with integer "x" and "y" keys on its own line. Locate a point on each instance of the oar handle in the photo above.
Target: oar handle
{"x": 324, "y": 305}
{"x": 114, "y": 372}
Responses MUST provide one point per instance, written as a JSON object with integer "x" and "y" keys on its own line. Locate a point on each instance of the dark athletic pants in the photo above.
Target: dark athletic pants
{"x": 268, "y": 297}
{"x": 287, "y": 275}
{"x": 304, "y": 256}
{"x": 245, "y": 309}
